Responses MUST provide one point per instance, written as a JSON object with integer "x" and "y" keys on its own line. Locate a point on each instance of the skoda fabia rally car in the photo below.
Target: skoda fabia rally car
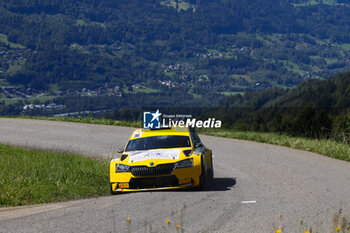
{"x": 172, "y": 158}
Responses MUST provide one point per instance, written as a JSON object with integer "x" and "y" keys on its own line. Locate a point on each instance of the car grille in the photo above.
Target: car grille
{"x": 162, "y": 169}
{"x": 153, "y": 182}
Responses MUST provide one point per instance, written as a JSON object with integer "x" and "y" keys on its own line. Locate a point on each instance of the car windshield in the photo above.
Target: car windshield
{"x": 158, "y": 142}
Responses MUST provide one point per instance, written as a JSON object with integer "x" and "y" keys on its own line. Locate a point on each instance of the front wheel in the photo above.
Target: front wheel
{"x": 111, "y": 189}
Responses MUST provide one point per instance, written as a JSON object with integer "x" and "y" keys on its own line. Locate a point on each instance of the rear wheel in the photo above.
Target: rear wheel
{"x": 203, "y": 179}
{"x": 211, "y": 170}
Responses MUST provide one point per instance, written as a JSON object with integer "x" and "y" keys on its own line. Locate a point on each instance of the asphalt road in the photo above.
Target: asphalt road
{"x": 254, "y": 184}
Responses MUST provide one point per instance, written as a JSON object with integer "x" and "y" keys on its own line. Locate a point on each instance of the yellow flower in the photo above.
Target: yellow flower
{"x": 168, "y": 221}
{"x": 177, "y": 226}
{"x": 128, "y": 219}
{"x": 338, "y": 228}
{"x": 306, "y": 231}
{"x": 278, "y": 231}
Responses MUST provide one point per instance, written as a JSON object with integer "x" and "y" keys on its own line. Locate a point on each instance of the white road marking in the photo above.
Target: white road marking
{"x": 248, "y": 202}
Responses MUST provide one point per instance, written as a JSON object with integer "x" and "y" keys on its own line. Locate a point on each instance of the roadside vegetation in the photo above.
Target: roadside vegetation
{"x": 89, "y": 120}
{"x": 31, "y": 177}
{"x": 327, "y": 147}
{"x": 340, "y": 223}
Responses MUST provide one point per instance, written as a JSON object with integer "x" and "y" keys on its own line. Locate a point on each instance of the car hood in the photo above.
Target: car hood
{"x": 158, "y": 156}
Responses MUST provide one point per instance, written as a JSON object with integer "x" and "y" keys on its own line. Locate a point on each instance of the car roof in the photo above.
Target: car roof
{"x": 141, "y": 133}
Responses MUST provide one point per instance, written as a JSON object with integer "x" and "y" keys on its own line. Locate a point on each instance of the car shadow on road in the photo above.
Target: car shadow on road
{"x": 222, "y": 184}
{"x": 218, "y": 184}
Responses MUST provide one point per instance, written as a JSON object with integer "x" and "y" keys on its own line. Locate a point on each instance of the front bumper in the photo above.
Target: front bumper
{"x": 180, "y": 178}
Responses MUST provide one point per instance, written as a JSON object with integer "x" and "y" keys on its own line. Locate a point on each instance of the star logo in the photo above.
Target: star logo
{"x": 151, "y": 120}
{"x": 156, "y": 115}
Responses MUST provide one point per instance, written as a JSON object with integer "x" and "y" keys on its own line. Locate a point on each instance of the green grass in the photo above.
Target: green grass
{"x": 16, "y": 66}
{"x": 99, "y": 24}
{"x": 31, "y": 177}
{"x": 181, "y": 4}
{"x": 291, "y": 66}
{"x": 4, "y": 83}
{"x": 228, "y": 93}
{"x": 311, "y": 2}
{"x": 314, "y": 2}
{"x": 81, "y": 22}
{"x": 170, "y": 74}
{"x": 7, "y": 100}
{"x": 264, "y": 40}
{"x": 147, "y": 90}
{"x": 3, "y": 39}
{"x": 54, "y": 87}
{"x": 324, "y": 147}
{"x": 41, "y": 99}
{"x": 196, "y": 96}
{"x": 344, "y": 46}
{"x": 88, "y": 120}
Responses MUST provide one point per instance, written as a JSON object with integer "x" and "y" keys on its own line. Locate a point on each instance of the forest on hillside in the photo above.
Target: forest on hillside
{"x": 314, "y": 108}
{"x": 224, "y": 46}
{"x": 258, "y": 65}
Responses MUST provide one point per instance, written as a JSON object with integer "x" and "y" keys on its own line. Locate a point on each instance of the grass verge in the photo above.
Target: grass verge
{"x": 325, "y": 147}
{"x": 86, "y": 120}
{"x": 32, "y": 177}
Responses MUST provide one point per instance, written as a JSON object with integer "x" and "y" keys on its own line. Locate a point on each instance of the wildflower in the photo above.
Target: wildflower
{"x": 278, "y": 231}
{"x": 177, "y": 226}
{"x": 128, "y": 219}
{"x": 338, "y": 228}
{"x": 168, "y": 221}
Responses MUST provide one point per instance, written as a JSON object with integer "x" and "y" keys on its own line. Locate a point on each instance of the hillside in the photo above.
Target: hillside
{"x": 90, "y": 49}
{"x": 315, "y": 108}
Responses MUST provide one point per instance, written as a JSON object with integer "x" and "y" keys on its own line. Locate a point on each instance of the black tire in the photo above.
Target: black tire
{"x": 203, "y": 179}
{"x": 211, "y": 171}
{"x": 112, "y": 192}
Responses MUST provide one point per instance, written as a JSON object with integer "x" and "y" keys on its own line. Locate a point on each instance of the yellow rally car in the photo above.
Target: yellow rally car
{"x": 162, "y": 159}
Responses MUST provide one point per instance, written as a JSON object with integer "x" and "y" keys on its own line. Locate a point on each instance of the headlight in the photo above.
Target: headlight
{"x": 184, "y": 163}
{"x": 122, "y": 168}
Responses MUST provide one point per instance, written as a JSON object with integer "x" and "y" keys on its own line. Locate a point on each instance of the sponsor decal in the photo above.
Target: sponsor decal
{"x": 184, "y": 180}
{"x": 155, "y": 154}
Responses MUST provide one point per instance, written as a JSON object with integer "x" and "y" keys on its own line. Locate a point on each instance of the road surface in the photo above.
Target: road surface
{"x": 258, "y": 188}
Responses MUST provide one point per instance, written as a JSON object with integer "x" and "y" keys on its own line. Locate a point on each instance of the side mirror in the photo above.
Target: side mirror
{"x": 120, "y": 151}
{"x": 198, "y": 144}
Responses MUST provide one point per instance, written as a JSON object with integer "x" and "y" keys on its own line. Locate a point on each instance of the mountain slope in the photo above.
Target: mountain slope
{"x": 199, "y": 47}
{"x": 315, "y": 108}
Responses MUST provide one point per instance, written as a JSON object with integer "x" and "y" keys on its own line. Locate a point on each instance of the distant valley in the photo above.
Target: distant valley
{"x": 97, "y": 55}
